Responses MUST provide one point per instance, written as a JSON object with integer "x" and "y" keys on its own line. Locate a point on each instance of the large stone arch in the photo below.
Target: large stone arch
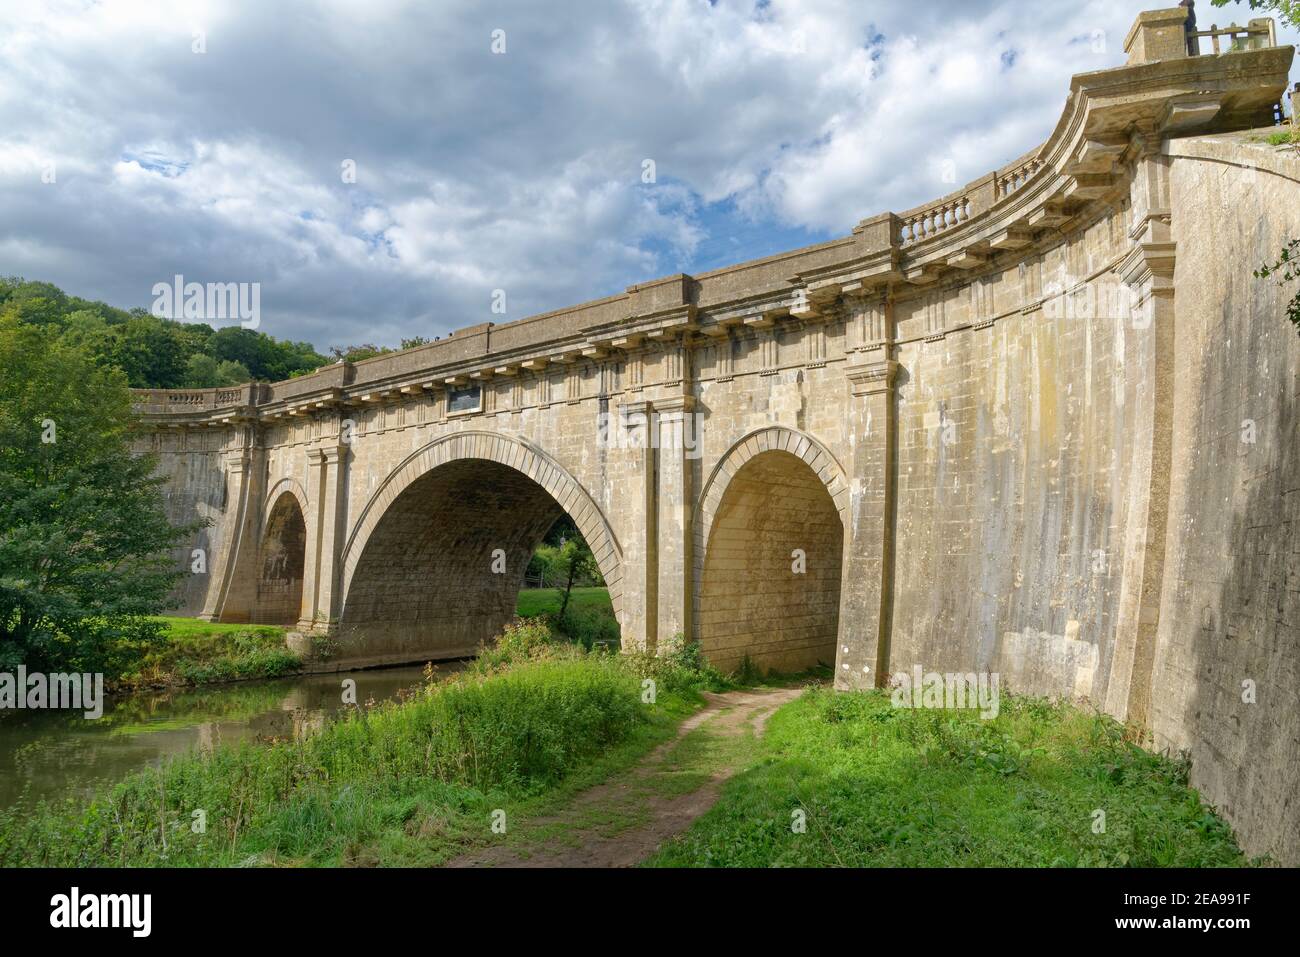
{"x": 775, "y": 490}
{"x": 419, "y": 571}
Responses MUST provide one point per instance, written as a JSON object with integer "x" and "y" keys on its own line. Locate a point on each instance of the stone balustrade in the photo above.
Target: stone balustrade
{"x": 931, "y": 221}
{"x": 1017, "y": 176}
{"x": 1004, "y": 210}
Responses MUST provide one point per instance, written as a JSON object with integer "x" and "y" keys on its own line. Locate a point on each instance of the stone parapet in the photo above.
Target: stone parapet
{"x": 1158, "y": 94}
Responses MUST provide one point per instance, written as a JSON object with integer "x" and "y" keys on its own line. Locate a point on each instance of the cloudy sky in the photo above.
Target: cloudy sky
{"x": 218, "y": 140}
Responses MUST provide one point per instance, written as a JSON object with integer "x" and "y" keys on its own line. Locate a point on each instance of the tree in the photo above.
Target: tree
{"x": 84, "y": 539}
{"x": 565, "y": 564}
{"x": 265, "y": 358}
{"x": 358, "y": 353}
{"x": 205, "y": 372}
{"x": 1287, "y": 10}
{"x": 148, "y": 350}
{"x": 575, "y": 563}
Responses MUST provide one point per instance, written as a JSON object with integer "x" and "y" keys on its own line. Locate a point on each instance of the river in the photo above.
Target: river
{"x": 50, "y": 754}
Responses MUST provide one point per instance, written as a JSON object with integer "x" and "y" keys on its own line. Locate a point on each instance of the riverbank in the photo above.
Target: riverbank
{"x": 410, "y": 782}
{"x": 198, "y": 652}
{"x": 543, "y": 752}
{"x": 806, "y": 777}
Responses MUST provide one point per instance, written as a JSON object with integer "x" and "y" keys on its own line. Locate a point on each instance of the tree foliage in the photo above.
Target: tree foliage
{"x": 358, "y": 353}
{"x": 565, "y": 563}
{"x": 156, "y": 353}
{"x": 1285, "y": 270}
{"x": 368, "y": 350}
{"x": 1286, "y": 10}
{"x": 84, "y": 538}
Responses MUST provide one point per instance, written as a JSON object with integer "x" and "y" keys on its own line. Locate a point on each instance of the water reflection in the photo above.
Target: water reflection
{"x": 50, "y": 754}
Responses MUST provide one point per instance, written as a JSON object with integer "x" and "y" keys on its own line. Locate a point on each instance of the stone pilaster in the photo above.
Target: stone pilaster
{"x": 626, "y": 436}
{"x": 640, "y": 609}
{"x": 326, "y": 529}
{"x": 676, "y": 447}
{"x": 1148, "y": 272}
{"x": 233, "y": 592}
{"x": 862, "y": 655}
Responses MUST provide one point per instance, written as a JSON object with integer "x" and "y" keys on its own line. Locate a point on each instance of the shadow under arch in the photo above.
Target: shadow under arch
{"x": 769, "y": 552}
{"x": 433, "y": 566}
{"x": 281, "y": 558}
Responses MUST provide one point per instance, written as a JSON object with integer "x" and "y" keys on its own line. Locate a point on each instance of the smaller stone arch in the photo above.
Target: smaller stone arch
{"x": 768, "y": 439}
{"x": 775, "y": 502}
{"x": 289, "y": 485}
{"x": 281, "y": 556}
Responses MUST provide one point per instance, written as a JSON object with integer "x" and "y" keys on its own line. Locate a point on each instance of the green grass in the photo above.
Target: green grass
{"x": 196, "y": 628}
{"x": 199, "y": 652}
{"x": 403, "y": 783}
{"x": 589, "y": 620}
{"x": 1284, "y": 136}
{"x": 535, "y": 602}
{"x": 887, "y": 787}
{"x": 536, "y": 719}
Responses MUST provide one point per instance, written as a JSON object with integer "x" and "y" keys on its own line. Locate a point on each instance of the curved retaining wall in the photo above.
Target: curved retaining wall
{"x": 1230, "y": 615}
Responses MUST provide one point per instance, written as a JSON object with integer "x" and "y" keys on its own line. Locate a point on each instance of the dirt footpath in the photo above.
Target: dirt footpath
{"x": 625, "y": 820}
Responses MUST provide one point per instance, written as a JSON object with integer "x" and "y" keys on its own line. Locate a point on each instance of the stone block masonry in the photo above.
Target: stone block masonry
{"x": 1043, "y": 426}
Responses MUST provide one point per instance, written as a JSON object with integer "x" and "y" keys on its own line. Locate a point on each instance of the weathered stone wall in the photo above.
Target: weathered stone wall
{"x": 442, "y": 569}
{"x": 1231, "y": 598}
{"x": 563, "y": 429}
{"x": 196, "y": 492}
{"x": 283, "y": 554}
{"x": 1021, "y": 437}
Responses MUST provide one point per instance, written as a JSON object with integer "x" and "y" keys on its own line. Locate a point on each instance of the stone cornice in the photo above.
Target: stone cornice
{"x": 1111, "y": 116}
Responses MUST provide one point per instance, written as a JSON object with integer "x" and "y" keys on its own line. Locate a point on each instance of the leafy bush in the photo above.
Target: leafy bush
{"x": 522, "y": 641}
{"x": 1285, "y": 270}
{"x": 589, "y": 627}
{"x": 200, "y": 653}
{"x": 679, "y": 668}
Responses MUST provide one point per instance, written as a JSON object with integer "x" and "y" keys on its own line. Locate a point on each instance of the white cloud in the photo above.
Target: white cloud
{"x": 767, "y": 123}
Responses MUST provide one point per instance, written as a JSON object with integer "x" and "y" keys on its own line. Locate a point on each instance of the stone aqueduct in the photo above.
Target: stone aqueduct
{"x": 1005, "y": 429}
